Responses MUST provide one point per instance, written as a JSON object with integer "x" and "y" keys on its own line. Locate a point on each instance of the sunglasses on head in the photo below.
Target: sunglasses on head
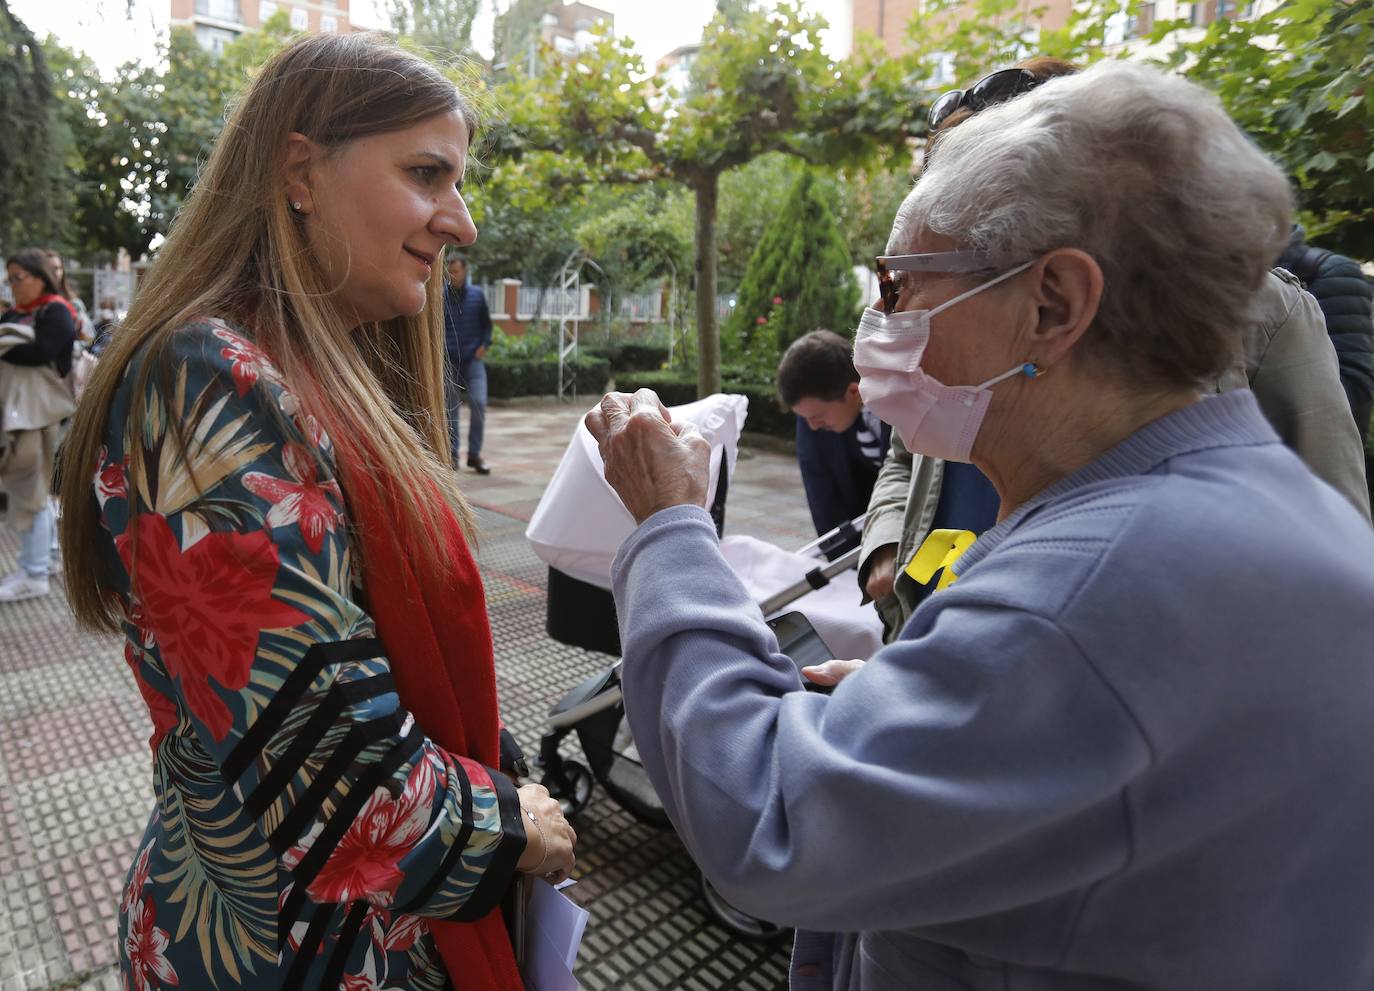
{"x": 994, "y": 88}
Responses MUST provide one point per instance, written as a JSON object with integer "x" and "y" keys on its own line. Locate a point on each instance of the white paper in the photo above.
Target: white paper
{"x": 554, "y": 925}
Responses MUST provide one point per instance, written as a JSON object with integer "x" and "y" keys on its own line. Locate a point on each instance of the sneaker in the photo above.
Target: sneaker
{"x": 479, "y": 466}
{"x": 23, "y": 588}
{"x": 13, "y": 577}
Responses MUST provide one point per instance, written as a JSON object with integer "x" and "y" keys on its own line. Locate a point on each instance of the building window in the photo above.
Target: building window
{"x": 266, "y": 8}
{"x": 300, "y": 20}
{"x": 213, "y": 39}
{"x": 1140, "y": 20}
{"x": 220, "y": 10}
{"x": 329, "y": 24}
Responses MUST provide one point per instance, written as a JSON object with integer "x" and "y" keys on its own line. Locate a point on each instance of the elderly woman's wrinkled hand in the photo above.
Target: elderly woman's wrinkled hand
{"x": 651, "y": 462}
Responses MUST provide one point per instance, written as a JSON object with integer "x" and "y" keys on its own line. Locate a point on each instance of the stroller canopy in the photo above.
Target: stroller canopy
{"x": 580, "y": 522}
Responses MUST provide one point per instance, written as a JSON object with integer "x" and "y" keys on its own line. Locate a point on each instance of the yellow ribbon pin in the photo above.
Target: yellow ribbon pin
{"x": 940, "y": 550}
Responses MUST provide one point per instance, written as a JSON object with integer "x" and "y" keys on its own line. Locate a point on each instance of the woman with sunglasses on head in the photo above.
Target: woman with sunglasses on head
{"x": 258, "y": 496}
{"x": 1285, "y": 358}
{"x": 36, "y": 338}
{"x": 1127, "y": 743}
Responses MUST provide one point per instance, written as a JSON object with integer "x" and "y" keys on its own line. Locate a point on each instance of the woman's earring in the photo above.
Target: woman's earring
{"x": 296, "y": 205}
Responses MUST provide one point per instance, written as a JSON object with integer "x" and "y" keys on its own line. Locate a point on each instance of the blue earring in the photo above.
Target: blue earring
{"x": 1031, "y": 370}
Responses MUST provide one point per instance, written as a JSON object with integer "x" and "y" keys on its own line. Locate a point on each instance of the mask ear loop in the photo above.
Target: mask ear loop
{"x": 1030, "y": 369}
{"x": 977, "y": 289}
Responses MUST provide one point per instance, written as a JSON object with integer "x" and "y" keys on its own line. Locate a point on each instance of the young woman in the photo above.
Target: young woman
{"x": 36, "y": 337}
{"x": 259, "y": 499}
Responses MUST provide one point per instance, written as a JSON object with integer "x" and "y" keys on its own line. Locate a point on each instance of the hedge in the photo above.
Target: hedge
{"x": 508, "y": 379}
{"x": 629, "y": 356}
{"x": 677, "y": 388}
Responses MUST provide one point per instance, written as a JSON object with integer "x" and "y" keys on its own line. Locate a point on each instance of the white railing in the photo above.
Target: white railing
{"x": 534, "y": 302}
{"x": 642, "y": 307}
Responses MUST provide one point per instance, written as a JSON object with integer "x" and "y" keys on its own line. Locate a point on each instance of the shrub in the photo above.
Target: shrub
{"x": 508, "y": 378}
{"x": 799, "y": 280}
{"x": 677, "y": 388}
{"x": 630, "y": 356}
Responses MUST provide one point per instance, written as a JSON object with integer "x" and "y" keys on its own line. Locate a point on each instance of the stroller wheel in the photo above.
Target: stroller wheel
{"x": 739, "y": 923}
{"x": 578, "y": 788}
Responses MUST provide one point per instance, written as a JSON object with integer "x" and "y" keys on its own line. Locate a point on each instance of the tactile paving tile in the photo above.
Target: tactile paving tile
{"x": 31, "y": 955}
{"x": 16, "y": 850}
{"x": 54, "y": 687}
{"x": 88, "y": 806}
{"x": 54, "y": 741}
{"x": 85, "y": 890}
{"x": 105, "y": 980}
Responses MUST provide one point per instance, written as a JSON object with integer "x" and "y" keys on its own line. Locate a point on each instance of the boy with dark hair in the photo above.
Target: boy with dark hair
{"x": 840, "y": 444}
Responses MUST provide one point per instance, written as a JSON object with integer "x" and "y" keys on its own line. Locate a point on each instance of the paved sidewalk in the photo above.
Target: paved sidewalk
{"x": 75, "y": 786}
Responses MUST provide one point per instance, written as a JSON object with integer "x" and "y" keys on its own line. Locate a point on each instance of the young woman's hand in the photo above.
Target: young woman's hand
{"x": 549, "y": 836}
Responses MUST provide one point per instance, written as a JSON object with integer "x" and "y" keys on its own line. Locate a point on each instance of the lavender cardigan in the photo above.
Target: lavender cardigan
{"x": 1131, "y": 747}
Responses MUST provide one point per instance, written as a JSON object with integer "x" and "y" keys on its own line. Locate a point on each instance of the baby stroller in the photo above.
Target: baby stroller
{"x": 581, "y": 613}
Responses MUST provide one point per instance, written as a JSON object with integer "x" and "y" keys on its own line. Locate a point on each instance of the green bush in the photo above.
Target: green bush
{"x": 508, "y": 378}
{"x": 799, "y": 280}
{"x": 677, "y": 388}
{"x": 529, "y": 346}
{"x": 629, "y": 356}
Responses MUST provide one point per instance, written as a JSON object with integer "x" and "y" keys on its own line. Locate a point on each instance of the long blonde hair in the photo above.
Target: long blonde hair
{"x": 236, "y": 250}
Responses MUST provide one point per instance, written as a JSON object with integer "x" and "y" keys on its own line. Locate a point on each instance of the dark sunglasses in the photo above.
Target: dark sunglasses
{"x": 995, "y": 87}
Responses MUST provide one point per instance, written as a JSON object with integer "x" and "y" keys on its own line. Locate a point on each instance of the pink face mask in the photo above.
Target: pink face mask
{"x": 932, "y": 418}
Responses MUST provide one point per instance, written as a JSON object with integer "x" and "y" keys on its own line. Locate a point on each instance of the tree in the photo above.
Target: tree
{"x": 141, "y": 136}
{"x": 763, "y": 85}
{"x": 437, "y": 24}
{"x": 1297, "y": 79}
{"x": 799, "y": 280}
{"x": 32, "y": 189}
{"x": 515, "y": 34}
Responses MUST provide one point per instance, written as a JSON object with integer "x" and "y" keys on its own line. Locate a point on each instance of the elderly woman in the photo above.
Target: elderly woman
{"x": 1130, "y": 746}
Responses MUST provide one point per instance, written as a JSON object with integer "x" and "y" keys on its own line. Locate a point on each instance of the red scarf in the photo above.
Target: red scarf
{"x": 43, "y": 301}
{"x": 436, "y": 632}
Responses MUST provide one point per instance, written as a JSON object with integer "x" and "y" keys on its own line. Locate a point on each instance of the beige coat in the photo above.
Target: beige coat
{"x": 1287, "y": 360}
{"x": 31, "y": 397}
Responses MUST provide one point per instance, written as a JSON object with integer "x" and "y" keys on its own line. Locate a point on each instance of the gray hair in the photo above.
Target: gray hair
{"x": 1142, "y": 170}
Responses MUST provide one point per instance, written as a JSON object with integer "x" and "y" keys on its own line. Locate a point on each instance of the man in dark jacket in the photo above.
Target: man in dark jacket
{"x": 467, "y": 335}
{"x": 840, "y": 444}
{"x": 1344, "y": 296}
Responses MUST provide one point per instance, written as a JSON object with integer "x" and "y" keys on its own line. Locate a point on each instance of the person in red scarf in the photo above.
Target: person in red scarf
{"x": 257, "y": 495}
{"x": 36, "y": 337}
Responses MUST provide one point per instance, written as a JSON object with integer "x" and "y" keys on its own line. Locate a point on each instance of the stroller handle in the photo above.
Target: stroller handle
{"x": 817, "y": 577}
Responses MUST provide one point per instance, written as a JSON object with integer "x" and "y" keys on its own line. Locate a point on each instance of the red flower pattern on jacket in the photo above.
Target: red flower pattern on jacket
{"x": 249, "y": 363}
{"x": 365, "y": 864}
{"x": 207, "y": 606}
{"x": 304, "y": 501}
{"x": 160, "y": 707}
{"x": 146, "y": 948}
{"x": 111, "y": 478}
{"x": 138, "y": 877}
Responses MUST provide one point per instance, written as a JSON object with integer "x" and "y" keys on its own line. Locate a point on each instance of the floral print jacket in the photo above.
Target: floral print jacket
{"x": 305, "y": 828}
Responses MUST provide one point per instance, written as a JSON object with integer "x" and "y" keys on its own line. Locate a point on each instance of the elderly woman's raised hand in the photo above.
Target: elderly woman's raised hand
{"x": 651, "y": 462}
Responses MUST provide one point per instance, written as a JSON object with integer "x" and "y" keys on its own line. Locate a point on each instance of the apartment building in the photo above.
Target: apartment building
{"x": 218, "y": 22}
